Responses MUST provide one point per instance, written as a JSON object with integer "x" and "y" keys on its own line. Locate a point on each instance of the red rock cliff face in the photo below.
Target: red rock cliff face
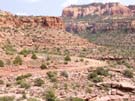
{"x": 75, "y": 11}
{"x": 8, "y": 20}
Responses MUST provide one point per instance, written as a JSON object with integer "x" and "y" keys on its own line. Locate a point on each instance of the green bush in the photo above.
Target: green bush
{"x": 102, "y": 71}
{"x": 52, "y": 76}
{"x": 43, "y": 66}
{"x": 76, "y": 99}
{"x": 34, "y": 56}
{"x": 1, "y": 82}
{"x": 17, "y": 61}
{"x": 94, "y": 77}
{"x": 128, "y": 73}
{"x": 23, "y": 76}
{"x": 25, "y": 52}
{"x": 38, "y": 82}
{"x": 50, "y": 96}
{"x": 97, "y": 79}
{"x": 1, "y": 63}
{"x": 6, "y": 98}
{"x": 32, "y": 99}
{"x": 67, "y": 58}
{"x": 9, "y": 49}
{"x": 23, "y": 84}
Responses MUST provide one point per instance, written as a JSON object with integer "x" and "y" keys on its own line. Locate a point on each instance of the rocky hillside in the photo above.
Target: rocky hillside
{"x": 40, "y": 61}
{"x": 36, "y": 34}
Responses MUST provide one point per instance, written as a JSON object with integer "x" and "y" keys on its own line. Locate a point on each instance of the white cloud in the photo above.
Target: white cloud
{"x": 30, "y": 1}
{"x": 21, "y": 13}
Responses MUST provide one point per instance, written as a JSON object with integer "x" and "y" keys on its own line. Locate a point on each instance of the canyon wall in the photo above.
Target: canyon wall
{"x": 76, "y": 11}
{"x": 9, "y": 20}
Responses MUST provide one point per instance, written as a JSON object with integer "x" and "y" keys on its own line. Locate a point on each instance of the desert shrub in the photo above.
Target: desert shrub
{"x": 23, "y": 76}
{"x": 128, "y": 65}
{"x": 1, "y": 82}
{"x": 65, "y": 62}
{"x": 9, "y": 49}
{"x": 52, "y": 76}
{"x": 120, "y": 62}
{"x": 76, "y": 99}
{"x": 6, "y": 98}
{"x": 1, "y": 63}
{"x": 17, "y": 60}
{"x": 65, "y": 86}
{"x": 25, "y": 52}
{"x": 64, "y": 74}
{"x": 32, "y": 99}
{"x": 23, "y": 84}
{"x": 128, "y": 73}
{"x": 81, "y": 59}
{"x": 50, "y": 96}
{"x": 34, "y": 56}
{"x": 102, "y": 71}
{"x": 94, "y": 77}
{"x": 43, "y": 66}
{"x": 67, "y": 58}
{"x": 97, "y": 79}
{"x": 38, "y": 82}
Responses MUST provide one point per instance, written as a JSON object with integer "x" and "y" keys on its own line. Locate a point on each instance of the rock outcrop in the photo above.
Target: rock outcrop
{"x": 132, "y": 8}
{"x": 10, "y": 20}
{"x": 78, "y": 27}
{"x": 76, "y": 11}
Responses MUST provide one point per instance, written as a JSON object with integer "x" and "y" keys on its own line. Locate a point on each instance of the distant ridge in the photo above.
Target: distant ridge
{"x": 115, "y": 8}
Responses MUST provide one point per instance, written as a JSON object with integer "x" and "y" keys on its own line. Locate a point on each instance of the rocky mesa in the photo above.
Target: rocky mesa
{"x": 10, "y": 20}
{"x": 76, "y": 11}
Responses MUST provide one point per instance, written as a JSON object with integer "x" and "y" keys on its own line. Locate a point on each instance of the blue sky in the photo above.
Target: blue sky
{"x": 46, "y": 7}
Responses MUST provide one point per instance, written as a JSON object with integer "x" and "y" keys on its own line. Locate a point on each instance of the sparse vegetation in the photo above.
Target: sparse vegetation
{"x": 43, "y": 66}
{"x": 76, "y": 99}
{"x": 9, "y": 49}
{"x": 102, "y": 71}
{"x": 67, "y": 58}
{"x": 23, "y": 84}
{"x": 34, "y": 56}
{"x": 95, "y": 76}
{"x": 6, "y": 98}
{"x": 63, "y": 66}
{"x": 52, "y": 76}
{"x": 1, "y": 63}
{"x": 25, "y": 52}
{"x": 32, "y": 99}
{"x": 1, "y": 82}
{"x": 50, "y": 96}
{"x": 17, "y": 60}
{"x": 128, "y": 73}
{"x": 38, "y": 82}
{"x": 23, "y": 76}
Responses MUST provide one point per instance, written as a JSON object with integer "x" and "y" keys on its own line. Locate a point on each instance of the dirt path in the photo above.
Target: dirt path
{"x": 12, "y": 71}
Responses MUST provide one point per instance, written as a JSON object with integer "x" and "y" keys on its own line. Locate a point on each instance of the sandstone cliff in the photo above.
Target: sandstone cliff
{"x": 76, "y": 11}
{"x": 115, "y": 25}
{"x": 132, "y": 8}
{"x": 10, "y": 20}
